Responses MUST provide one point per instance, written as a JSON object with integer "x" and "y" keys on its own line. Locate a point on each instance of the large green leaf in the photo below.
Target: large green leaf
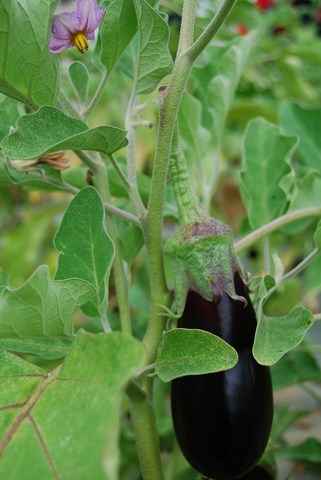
{"x": 42, "y": 307}
{"x": 304, "y": 123}
{"x": 49, "y": 130}
{"x": 85, "y": 248}
{"x": 117, "y": 30}
{"x": 192, "y": 352}
{"x": 65, "y": 425}
{"x": 154, "y": 60}
{"x": 266, "y": 158}
{"x": 28, "y": 72}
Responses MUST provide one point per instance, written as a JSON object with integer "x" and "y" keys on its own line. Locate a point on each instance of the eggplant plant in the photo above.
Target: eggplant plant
{"x": 159, "y": 266}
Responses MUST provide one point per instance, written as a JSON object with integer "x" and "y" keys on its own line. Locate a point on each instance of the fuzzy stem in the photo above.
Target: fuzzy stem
{"x": 153, "y": 221}
{"x": 144, "y": 424}
{"x": 274, "y": 225}
{"x": 86, "y": 159}
{"x": 301, "y": 266}
{"x": 187, "y": 26}
{"x": 119, "y": 171}
{"x": 67, "y": 107}
{"x": 210, "y": 31}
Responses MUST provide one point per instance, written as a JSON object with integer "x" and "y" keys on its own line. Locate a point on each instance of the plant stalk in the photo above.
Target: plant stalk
{"x": 144, "y": 424}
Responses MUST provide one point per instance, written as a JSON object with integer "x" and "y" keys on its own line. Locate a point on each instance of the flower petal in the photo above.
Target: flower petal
{"x": 90, "y": 16}
{"x": 58, "y": 44}
{"x": 65, "y": 24}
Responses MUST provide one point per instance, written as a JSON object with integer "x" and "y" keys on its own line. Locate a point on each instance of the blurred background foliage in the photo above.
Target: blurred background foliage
{"x": 284, "y": 66}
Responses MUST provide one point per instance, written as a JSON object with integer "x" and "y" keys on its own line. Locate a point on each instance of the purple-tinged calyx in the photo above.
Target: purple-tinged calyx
{"x": 204, "y": 260}
{"x": 75, "y": 28}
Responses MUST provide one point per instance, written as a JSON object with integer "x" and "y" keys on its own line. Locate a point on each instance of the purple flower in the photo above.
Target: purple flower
{"x": 77, "y": 27}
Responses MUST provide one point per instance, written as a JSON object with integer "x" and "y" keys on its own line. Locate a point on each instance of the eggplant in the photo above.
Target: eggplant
{"x": 223, "y": 420}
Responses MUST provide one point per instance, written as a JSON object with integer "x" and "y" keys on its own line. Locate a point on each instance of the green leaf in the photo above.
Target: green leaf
{"x": 304, "y": 123}
{"x": 117, "y": 30}
{"x": 50, "y": 130}
{"x": 42, "y": 307}
{"x": 295, "y": 367}
{"x": 192, "y": 352}
{"x": 67, "y": 411}
{"x": 308, "y": 451}
{"x": 79, "y": 77}
{"x": 47, "y": 348}
{"x": 29, "y": 72}
{"x": 277, "y": 335}
{"x": 266, "y": 158}
{"x": 85, "y": 248}
{"x": 154, "y": 60}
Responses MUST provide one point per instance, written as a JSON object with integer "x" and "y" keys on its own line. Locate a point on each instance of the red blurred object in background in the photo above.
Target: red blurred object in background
{"x": 242, "y": 30}
{"x": 264, "y": 4}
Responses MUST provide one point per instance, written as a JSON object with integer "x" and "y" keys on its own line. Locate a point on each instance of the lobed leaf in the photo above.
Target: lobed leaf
{"x": 304, "y": 123}
{"x": 42, "y": 307}
{"x": 192, "y": 352}
{"x": 266, "y": 164}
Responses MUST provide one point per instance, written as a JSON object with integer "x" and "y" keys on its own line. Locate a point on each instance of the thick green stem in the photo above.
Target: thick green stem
{"x": 102, "y": 185}
{"x": 67, "y": 107}
{"x": 153, "y": 221}
{"x": 144, "y": 424}
{"x": 187, "y": 29}
{"x": 210, "y": 31}
{"x": 189, "y": 209}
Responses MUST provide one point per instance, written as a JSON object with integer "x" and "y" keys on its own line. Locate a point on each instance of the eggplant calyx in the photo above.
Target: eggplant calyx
{"x": 204, "y": 260}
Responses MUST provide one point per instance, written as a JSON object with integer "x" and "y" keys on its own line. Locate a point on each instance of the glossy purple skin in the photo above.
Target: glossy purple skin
{"x": 223, "y": 420}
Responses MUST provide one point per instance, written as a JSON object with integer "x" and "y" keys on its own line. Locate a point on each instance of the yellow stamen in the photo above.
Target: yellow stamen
{"x": 80, "y": 41}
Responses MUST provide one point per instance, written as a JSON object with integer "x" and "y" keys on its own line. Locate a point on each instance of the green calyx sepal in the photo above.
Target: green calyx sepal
{"x": 204, "y": 260}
